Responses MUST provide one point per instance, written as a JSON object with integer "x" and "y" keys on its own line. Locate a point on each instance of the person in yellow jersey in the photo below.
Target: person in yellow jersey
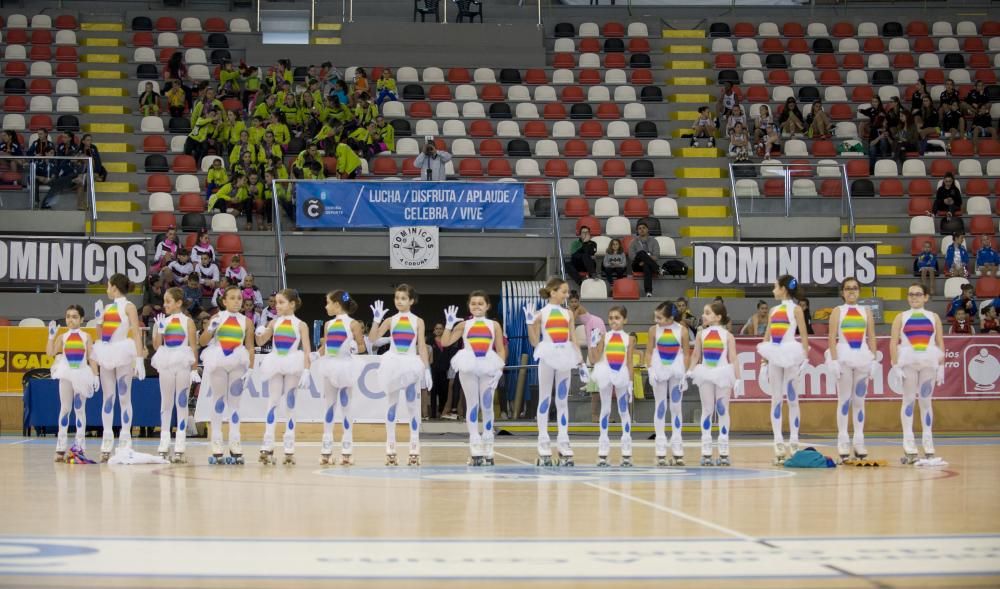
{"x": 385, "y": 88}
{"x": 386, "y": 132}
{"x": 348, "y": 162}
{"x": 282, "y": 136}
{"x": 199, "y": 140}
{"x": 229, "y": 195}
{"x": 217, "y": 177}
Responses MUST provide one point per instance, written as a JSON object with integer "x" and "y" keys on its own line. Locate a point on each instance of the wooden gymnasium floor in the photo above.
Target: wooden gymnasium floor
{"x": 444, "y": 525}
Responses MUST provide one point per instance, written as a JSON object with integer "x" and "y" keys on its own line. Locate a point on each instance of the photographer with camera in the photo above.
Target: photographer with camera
{"x": 431, "y": 162}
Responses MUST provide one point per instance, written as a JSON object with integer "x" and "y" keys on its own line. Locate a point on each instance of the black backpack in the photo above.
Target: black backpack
{"x": 675, "y": 268}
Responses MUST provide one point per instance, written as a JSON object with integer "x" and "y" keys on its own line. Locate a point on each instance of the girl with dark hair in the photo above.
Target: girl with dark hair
{"x": 76, "y": 371}
{"x": 666, "y": 360}
{"x": 174, "y": 360}
{"x": 611, "y": 355}
{"x": 715, "y": 371}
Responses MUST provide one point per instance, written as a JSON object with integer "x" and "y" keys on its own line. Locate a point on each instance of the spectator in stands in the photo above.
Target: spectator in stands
{"x": 41, "y": 144}
{"x": 581, "y": 257}
{"x": 203, "y": 246}
{"x": 360, "y": 86}
{"x": 229, "y": 196}
{"x": 341, "y": 93}
{"x": 876, "y": 119}
{"x": 385, "y": 88}
{"x": 685, "y": 316}
{"x": 804, "y": 305}
{"x": 927, "y": 119}
{"x": 961, "y": 323}
{"x": 88, "y": 148}
{"x": 245, "y": 165}
{"x": 349, "y": 164}
{"x": 949, "y": 96}
{"x": 217, "y": 177}
{"x": 892, "y": 112}
{"x": 643, "y": 252}
{"x": 926, "y": 266}
{"x": 50, "y": 173}
{"x": 757, "y": 323}
{"x": 948, "y": 201}
{"x": 988, "y": 320}
{"x": 192, "y": 295}
{"x": 270, "y": 147}
{"x": 729, "y": 98}
{"x": 703, "y": 128}
{"x": 250, "y": 291}
{"x": 250, "y": 82}
{"x": 386, "y": 132}
{"x": 431, "y": 162}
{"x": 176, "y": 98}
{"x": 176, "y": 72}
{"x": 219, "y": 293}
{"x": 149, "y": 101}
{"x": 882, "y": 144}
{"x": 987, "y": 258}
{"x": 791, "y": 120}
{"x": 766, "y": 135}
{"x": 168, "y": 245}
{"x": 236, "y": 273}
{"x": 736, "y": 116}
{"x": 152, "y": 299}
{"x": 181, "y": 268}
{"x": 250, "y": 312}
{"x": 200, "y": 139}
{"x": 364, "y": 111}
{"x": 907, "y": 135}
{"x": 952, "y": 121}
{"x": 254, "y": 206}
{"x": 228, "y": 74}
{"x": 264, "y": 105}
{"x": 739, "y": 144}
{"x": 919, "y": 91}
{"x": 614, "y": 263}
{"x": 11, "y": 145}
{"x": 956, "y": 260}
{"x": 284, "y": 199}
{"x": 818, "y": 122}
{"x": 279, "y": 129}
{"x": 982, "y": 124}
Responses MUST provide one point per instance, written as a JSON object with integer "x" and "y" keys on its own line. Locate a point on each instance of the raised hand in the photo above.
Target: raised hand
{"x": 584, "y": 373}
{"x": 98, "y": 309}
{"x": 804, "y": 366}
{"x": 450, "y": 317}
{"x": 52, "y": 329}
{"x": 378, "y": 312}
{"x": 530, "y": 314}
{"x": 595, "y": 337}
{"x": 833, "y": 370}
{"x": 161, "y": 322}
{"x": 261, "y": 329}
{"x": 213, "y": 325}
{"x": 896, "y": 378}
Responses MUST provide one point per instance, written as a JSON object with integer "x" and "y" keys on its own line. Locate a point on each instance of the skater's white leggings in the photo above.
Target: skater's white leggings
{"x": 714, "y": 400}
{"x": 784, "y": 381}
{"x": 918, "y": 385}
{"x": 412, "y": 395}
{"x": 332, "y": 396}
{"x": 623, "y": 400}
{"x": 547, "y": 379}
{"x": 281, "y": 387}
{"x": 478, "y": 391}
{"x": 660, "y": 392}
{"x": 118, "y": 380}
{"x": 174, "y": 388}
{"x": 70, "y": 401}
{"x": 851, "y": 391}
{"x": 227, "y": 389}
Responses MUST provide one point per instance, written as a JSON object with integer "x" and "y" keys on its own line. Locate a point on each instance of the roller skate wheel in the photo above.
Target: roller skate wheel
{"x": 723, "y": 461}
{"x": 707, "y": 461}
{"x": 627, "y": 462}
{"x": 346, "y": 460}
{"x": 489, "y": 462}
{"x": 661, "y": 461}
{"x": 543, "y": 461}
{"x": 566, "y": 461}
{"x": 324, "y": 459}
{"x": 602, "y": 461}
{"x": 60, "y": 457}
{"x": 475, "y": 461}
{"x": 289, "y": 459}
{"x": 414, "y": 460}
{"x": 677, "y": 461}
{"x": 390, "y": 460}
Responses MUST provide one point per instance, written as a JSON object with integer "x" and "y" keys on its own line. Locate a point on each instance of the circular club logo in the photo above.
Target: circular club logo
{"x": 413, "y": 247}
{"x": 313, "y": 208}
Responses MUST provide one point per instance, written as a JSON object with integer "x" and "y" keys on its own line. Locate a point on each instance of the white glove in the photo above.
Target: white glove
{"x": 450, "y": 317}
{"x": 896, "y": 378}
{"x": 530, "y": 314}
{"x": 305, "y": 380}
{"x": 52, "y": 330}
{"x": 940, "y": 375}
{"x": 161, "y": 322}
{"x": 213, "y": 325}
{"x": 247, "y": 377}
{"x": 428, "y": 379}
{"x": 764, "y": 377}
{"x": 260, "y": 330}
{"x": 630, "y": 388}
{"x": 833, "y": 370}
{"x": 195, "y": 377}
{"x": 353, "y": 346}
{"x": 98, "y": 309}
{"x": 584, "y": 373}
{"x": 802, "y": 367}
{"x": 876, "y": 370}
{"x": 595, "y": 337}
{"x": 738, "y": 388}
{"x": 140, "y": 369}
{"x": 96, "y": 385}
{"x": 378, "y": 312}
{"x": 651, "y": 374}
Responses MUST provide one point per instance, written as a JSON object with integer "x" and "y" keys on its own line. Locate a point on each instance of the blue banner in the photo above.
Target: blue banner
{"x": 449, "y": 205}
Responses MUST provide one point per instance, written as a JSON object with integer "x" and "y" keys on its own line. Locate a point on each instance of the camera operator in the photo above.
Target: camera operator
{"x": 431, "y": 162}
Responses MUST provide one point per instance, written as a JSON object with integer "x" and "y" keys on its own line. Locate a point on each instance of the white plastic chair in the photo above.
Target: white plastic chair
{"x": 404, "y": 75}
{"x": 618, "y": 227}
{"x": 585, "y": 169}
{"x": 41, "y": 21}
{"x": 804, "y": 187}
{"x": 603, "y": 148}
{"x": 637, "y": 29}
{"x": 433, "y": 75}
{"x": 598, "y": 94}
{"x": 665, "y": 207}
{"x": 239, "y": 25}
{"x": 922, "y": 225}
{"x": 658, "y": 148}
{"x": 886, "y": 169}
{"x": 634, "y": 111}
{"x": 67, "y": 104}
{"x": 545, "y": 94}
{"x": 970, "y": 168}
{"x": 618, "y": 130}
{"x": 446, "y": 110}
{"x": 15, "y": 52}
{"x": 526, "y": 168}
{"x": 606, "y": 207}
{"x": 161, "y": 202}
{"x": 186, "y": 183}
{"x": 67, "y": 87}
{"x": 913, "y": 168}
{"x": 409, "y": 146}
{"x": 593, "y": 289}
{"x": 526, "y": 110}
{"x": 224, "y": 223}
{"x": 426, "y": 127}
{"x": 453, "y": 128}
{"x": 625, "y": 188}
{"x": 151, "y": 125}
{"x": 484, "y": 75}
{"x": 189, "y": 24}
{"x": 473, "y": 110}
{"x": 167, "y": 39}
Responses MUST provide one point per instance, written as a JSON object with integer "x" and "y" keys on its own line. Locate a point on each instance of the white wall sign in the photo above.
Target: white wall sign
{"x": 413, "y": 248}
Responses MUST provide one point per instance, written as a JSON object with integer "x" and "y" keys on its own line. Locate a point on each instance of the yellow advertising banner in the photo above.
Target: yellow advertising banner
{"x": 22, "y": 349}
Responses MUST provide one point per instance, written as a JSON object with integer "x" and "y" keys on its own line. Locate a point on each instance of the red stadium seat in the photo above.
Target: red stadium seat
{"x": 554, "y": 111}
{"x": 154, "y": 144}
{"x": 744, "y": 29}
{"x": 903, "y": 60}
{"x": 470, "y": 168}
{"x": 981, "y": 225}
{"x": 166, "y": 23}
{"x": 941, "y": 167}
{"x": 631, "y": 148}
{"x": 535, "y": 76}
{"x": 636, "y": 207}
{"x": 831, "y": 78}
{"x": 166, "y": 53}
{"x": 757, "y": 94}
{"x": 191, "y": 202}
{"x": 608, "y": 111}
{"x": 538, "y": 188}
{"x": 654, "y": 187}
{"x": 409, "y": 169}
{"x": 563, "y": 60}
{"x": 779, "y": 78}
{"x": 614, "y": 60}
{"x": 919, "y": 205}
{"x": 15, "y": 69}
{"x": 384, "y": 166}
{"x": 591, "y": 129}
{"x": 66, "y": 22}
{"x": 481, "y": 129}
{"x": 15, "y": 104}
{"x": 638, "y": 46}
{"x": 185, "y": 164}
{"x": 40, "y": 53}
{"x": 923, "y": 45}
{"x": 934, "y": 76}
{"x": 890, "y": 187}
{"x": 625, "y": 289}
{"x": 40, "y": 122}
{"x": 792, "y": 29}
{"x": 499, "y": 168}
{"x": 990, "y": 28}
{"x": 873, "y": 45}
{"x": 67, "y": 54}
{"x": 798, "y": 46}
{"x": 16, "y": 37}
{"x": 989, "y": 148}
{"x": 857, "y": 168}
{"x": 961, "y": 147}
{"x": 614, "y": 29}
{"x": 439, "y": 92}
{"x": 979, "y": 61}
{"x": 556, "y": 169}
{"x": 158, "y": 183}
{"x": 595, "y": 188}
{"x": 572, "y": 94}
{"x": 843, "y": 29}
{"x": 824, "y": 149}
{"x": 643, "y": 77}
{"x": 613, "y": 169}
{"x": 215, "y": 24}
{"x": 590, "y": 223}
{"x": 66, "y": 70}
{"x": 330, "y": 165}
{"x": 977, "y": 187}
{"x": 919, "y": 187}
{"x": 142, "y": 39}
{"x": 491, "y": 148}
{"x": 575, "y": 148}
{"x": 917, "y": 244}
{"x": 917, "y": 28}
{"x": 492, "y": 93}
{"x": 190, "y": 40}
{"x": 421, "y": 110}
{"x": 589, "y": 45}
{"x": 853, "y": 61}
{"x": 590, "y": 77}
{"x": 831, "y": 188}
{"x": 987, "y": 287}
{"x": 826, "y": 61}
{"x": 774, "y": 187}
{"x": 459, "y": 75}
{"x": 862, "y": 94}
{"x": 229, "y": 243}
{"x": 772, "y": 46}
{"x": 576, "y": 207}
{"x": 973, "y": 45}
{"x": 986, "y": 76}
{"x": 535, "y": 129}
{"x": 41, "y": 37}
{"x": 162, "y": 221}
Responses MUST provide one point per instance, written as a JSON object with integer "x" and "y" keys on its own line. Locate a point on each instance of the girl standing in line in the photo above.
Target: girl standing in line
{"x": 666, "y": 360}
{"x": 714, "y": 370}
{"x": 174, "y": 360}
{"x": 75, "y": 369}
{"x": 611, "y": 356}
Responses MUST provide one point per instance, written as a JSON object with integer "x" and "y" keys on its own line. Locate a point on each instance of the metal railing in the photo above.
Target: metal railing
{"x": 788, "y": 173}
{"x": 32, "y": 187}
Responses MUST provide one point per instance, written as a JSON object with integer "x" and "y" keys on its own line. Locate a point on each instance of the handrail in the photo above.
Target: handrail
{"x": 555, "y": 229}
{"x": 91, "y": 188}
{"x": 736, "y": 203}
{"x": 279, "y": 241}
{"x": 850, "y": 203}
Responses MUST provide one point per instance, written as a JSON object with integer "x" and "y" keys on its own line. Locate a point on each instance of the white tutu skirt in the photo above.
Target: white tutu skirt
{"x": 213, "y": 358}
{"x": 787, "y": 354}
{"x": 665, "y": 372}
{"x": 291, "y": 364}
{"x": 338, "y": 372}
{"x": 720, "y": 376}
{"x": 169, "y": 359}
{"x": 465, "y": 361}
{"x": 398, "y": 371}
{"x": 81, "y": 379}
{"x": 929, "y": 358}
{"x": 558, "y": 357}
{"x": 847, "y": 356}
{"x": 111, "y": 355}
{"x": 605, "y": 376}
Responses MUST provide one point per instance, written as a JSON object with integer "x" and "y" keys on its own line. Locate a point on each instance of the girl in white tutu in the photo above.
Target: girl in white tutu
{"x": 227, "y": 357}
{"x": 119, "y": 352}
{"x": 850, "y": 363}
{"x": 551, "y": 333}
{"x": 715, "y": 372}
{"x": 783, "y": 360}
{"x": 479, "y": 365}
{"x": 174, "y": 337}
{"x": 403, "y": 367}
{"x": 336, "y": 370}
{"x": 283, "y": 370}
{"x": 611, "y": 357}
{"x": 76, "y": 371}
{"x": 917, "y": 351}
{"x": 666, "y": 361}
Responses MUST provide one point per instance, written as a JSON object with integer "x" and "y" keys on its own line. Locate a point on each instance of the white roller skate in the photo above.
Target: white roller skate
{"x": 475, "y": 455}
{"x": 488, "y": 459}
{"x": 860, "y": 452}
{"x": 660, "y": 447}
{"x": 288, "y": 448}
{"x": 928, "y": 443}
{"x": 326, "y": 451}
{"x": 793, "y": 447}
{"x": 566, "y": 455}
{"x": 544, "y": 453}
{"x": 627, "y": 452}
{"x": 164, "y": 449}
{"x": 178, "y": 457}
{"x": 723, "y": 459}
{"x": 677, "y": 453}
{"x": 390, "y": 454}
{"x": 414, "y": 454}
{"x": 779, "y": 454}
{"x": 844, "y": 450}
{"x": 909, "y": 451}
{"x": 603, "y": 449}
{"x": 235, "y": 453}
{"x": 346, "y": 459}
{"x": 107, "y": 445}
{"x": 266, "y": 456}
{"x": 60, "y": 449}
{"x": 216, "y": 456}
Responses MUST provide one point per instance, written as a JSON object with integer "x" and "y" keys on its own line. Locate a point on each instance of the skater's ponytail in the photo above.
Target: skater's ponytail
{"x": 120, "y": 281}
{"x": 554, "y": 284}
{"x": 292, "y": 296}
{"x": 667, "y": 309}
{"x": 792, "y": 287}
{"x": 343, "y": 298}
{"x": 719, "y": 309}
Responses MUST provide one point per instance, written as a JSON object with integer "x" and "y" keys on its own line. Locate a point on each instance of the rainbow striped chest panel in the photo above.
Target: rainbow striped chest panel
{"x": 174, "y": 335}
{"x": 668, "y": 345}
{"x": 556, "y": 325}
{"x": 112, "y": 321}
{"x": 852, "y": 327}
{"x": 918, "y": 329}
{"x": 781, "y": 323}
{"x": 336, "y": 336}
{"x": 616, "y": 349}
{"x": 479, "y": 337}
{"x": 230, "y": 334}
{"x": 713, "y": 347}
{"x": 403, "y": 333}
{"x": 75, "y": 349}
{"x": 286, "y": 336}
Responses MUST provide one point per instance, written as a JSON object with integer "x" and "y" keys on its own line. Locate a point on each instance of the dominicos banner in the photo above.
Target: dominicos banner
{"x": 70, "y": 262}
{"x": 743, "y": 264}
{"x": 451, "y": 205}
